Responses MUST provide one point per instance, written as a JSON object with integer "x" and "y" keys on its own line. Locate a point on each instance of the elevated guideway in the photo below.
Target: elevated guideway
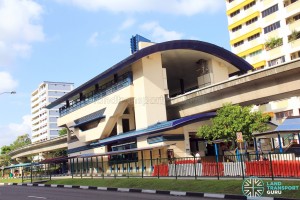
{"x": 255, "y": 88}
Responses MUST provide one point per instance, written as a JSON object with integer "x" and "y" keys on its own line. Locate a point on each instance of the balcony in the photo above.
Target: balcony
{"x": 275, "y": 53}
{"x": 267, "y": 3}
{"x": 295, "y": 25}
{"x": 104, "y": 90}
{"x": 292, "y": 7}
{"x": 295, "y": 43}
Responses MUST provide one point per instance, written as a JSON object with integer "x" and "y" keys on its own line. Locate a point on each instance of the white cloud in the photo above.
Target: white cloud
{"x": 159, "y": 34}
{"x": 10, "y": 132}
{"x": 177, "y": 7}
{"x": 93, "y": 39}
{"x": 19, "y": 28}
{"x": 7, "y": 83}
{"x": 116, "y": 39}
{"x": 127, "y": 24}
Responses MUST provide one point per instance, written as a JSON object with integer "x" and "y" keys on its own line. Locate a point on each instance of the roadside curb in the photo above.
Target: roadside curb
{"x": 165, "y": 192}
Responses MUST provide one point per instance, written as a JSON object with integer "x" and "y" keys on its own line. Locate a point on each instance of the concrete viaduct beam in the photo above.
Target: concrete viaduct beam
{"x": 258, "y": 87}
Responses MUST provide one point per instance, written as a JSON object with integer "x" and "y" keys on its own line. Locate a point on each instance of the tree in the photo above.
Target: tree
{"x": 5, "y": 149}
{"x": 62, "y": 132}
{"x": 21, "y": 141}
{"x": 231, "y": 119}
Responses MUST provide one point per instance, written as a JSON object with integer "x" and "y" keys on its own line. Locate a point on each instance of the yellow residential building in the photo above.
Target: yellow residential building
{"x": 264, "y": 32}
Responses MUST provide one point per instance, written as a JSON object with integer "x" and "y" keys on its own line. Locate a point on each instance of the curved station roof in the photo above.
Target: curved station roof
{"x": 198, "y": 46}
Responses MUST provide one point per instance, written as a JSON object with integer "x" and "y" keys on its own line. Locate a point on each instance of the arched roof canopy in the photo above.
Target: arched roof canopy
{"x": 200, "y": 46}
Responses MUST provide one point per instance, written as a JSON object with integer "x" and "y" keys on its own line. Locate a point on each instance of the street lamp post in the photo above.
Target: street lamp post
{"x": 12, "y": 92}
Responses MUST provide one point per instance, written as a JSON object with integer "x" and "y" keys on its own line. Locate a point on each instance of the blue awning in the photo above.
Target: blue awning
{"x": 20, "y": 165}
{"x": 289, "y": 124}
{"x": 89, "y": 118}
{"x": 159, "y": 127}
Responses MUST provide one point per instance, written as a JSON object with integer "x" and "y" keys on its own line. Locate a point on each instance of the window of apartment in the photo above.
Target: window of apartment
{"x": 249, "y": 5}
{"x": 253, "y": 37}
{"x": 272, "y": 27}
{"x": 238, "y": 43}
{"x": 255, "y": 53}
{"x": 251, "y": 21}
{"x": 284, "y": 114}
{"x": 276, "y": 61}
{"x": 235, "y": 13}
{"x": 297, "y": 17}
{"x": 295, "y": 55}
{"x": 270, "y": 10}
{"x": 236, "y": 28}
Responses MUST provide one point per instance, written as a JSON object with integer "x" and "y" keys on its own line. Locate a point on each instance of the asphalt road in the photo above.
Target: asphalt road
{"x": 40, "y": 193}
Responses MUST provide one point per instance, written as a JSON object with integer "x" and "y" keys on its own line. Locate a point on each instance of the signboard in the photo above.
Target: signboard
{"x": 239, "y": 137}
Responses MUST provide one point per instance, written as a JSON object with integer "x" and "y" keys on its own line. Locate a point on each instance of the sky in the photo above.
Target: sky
{"x": 75, "y": 40}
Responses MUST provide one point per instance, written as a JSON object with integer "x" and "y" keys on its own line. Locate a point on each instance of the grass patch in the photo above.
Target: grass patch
{"x": 13, "y": 180}
{"x": 208, "y": 186}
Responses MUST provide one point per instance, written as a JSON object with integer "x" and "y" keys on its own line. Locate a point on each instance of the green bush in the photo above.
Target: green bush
{"x": 273, "y": 43}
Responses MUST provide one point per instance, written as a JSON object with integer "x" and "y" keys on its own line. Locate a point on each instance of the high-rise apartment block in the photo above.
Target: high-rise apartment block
{"x": 44, "y": 121}
{"x": 264, "y": 32}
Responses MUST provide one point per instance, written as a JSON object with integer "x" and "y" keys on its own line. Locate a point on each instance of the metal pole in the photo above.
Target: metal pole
{"x": 151, "y": 161}
{"x": 92, "y": 167}
{"x": 175, "y": 168}
{"x": 280, "y": 145}
{"x": 115, "y": 168}
{"x": 299, "y": 138}
{"x": 72, "y": 167}
{"x": 50, "y": 171}
{"x": 31, "y": 173}
{"x": 77, "y": 164}
{"x": 22, "y": 175}
{"x": 242, "y": 166}
{"x": 97, "y": 165}
{"x": 159, "y": 152}
{"x": 256, "y": 149}
{"x": 142, "y": 164}
{"x": 87, "y": 166}
{"x": 217, "y": 159}
{"x": 81, "y": 170}
{"x": 83, "y": 165}
{"x": 195, "y": 168}
{"x": 102, "y": 167}
{"x": 271, "y": 167}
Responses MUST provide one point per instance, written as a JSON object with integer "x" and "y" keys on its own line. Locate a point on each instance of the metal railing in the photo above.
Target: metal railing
{"x": 104, "y": 90}
{"x": 269, "y": 165}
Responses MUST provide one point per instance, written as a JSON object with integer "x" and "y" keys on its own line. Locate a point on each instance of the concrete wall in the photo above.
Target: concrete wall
{"x": 149, "y": 99}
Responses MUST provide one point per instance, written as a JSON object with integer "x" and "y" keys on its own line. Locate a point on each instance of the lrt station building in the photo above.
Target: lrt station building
{"x": 123, "y": 113}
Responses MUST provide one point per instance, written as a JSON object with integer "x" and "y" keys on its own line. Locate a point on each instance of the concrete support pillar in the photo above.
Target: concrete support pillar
{"x": 131, "y": 119}
{"x": 119, "y": 126}
{"x": 187, "y": 143}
